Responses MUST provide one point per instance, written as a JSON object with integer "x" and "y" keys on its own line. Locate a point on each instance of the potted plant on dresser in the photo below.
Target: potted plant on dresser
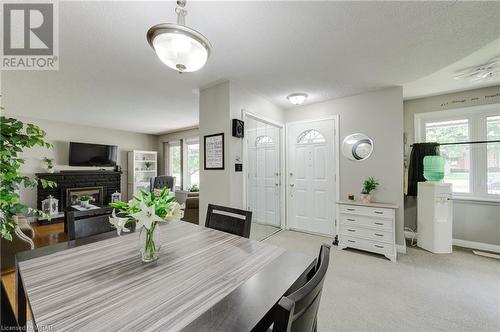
{"x": 369, "y": 185}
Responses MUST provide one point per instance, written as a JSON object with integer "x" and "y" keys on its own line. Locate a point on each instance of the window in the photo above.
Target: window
{"x": 473, "y": 169}
{"x": 175, "y": 162}
{"x": 457, "y": 157}
{"x": 183, "y": 162}
{"x": 193, "y": 164}
{"x": 493, "y": 154}
{"x": 311, "y": 136}
{"x": 263, "y": 140}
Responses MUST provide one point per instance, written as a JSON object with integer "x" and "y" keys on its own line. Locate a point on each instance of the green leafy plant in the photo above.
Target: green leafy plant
{"x": 369, "y": 185}
{"x": 85, "y": 198}
{"x": 15, "y": 137}
{"x": 148, "y": 164}
{"x": 194, "y": 188}
{"x": 49, "y": 162}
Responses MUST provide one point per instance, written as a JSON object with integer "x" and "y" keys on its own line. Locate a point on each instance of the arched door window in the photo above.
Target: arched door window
{"x": 311, "y": 136}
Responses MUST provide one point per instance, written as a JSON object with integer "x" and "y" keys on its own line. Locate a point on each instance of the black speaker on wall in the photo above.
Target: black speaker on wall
{"x": 238, "y": 128}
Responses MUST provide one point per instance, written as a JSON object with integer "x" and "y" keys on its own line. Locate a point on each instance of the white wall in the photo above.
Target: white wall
{"x": 60, "y": 134}
{"x": 379, "y": 115}
{"x": 472, "y": 221}
{"x": 220, "y": 104}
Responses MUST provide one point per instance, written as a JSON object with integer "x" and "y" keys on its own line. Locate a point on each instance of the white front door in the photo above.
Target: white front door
{"x": 263, "y": 185}
{"x": 311, "y": 176}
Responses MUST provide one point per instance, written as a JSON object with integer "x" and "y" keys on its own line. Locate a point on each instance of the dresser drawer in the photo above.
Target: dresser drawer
{"x": 375, "y": 223}
{"x": 367, "y": 211}
{"x": 367, "y": 233}
{"x": 363, "y": 244}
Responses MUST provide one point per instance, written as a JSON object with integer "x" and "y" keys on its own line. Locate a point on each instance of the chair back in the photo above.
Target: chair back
{"x": 8, "y": 319}
{"x": 160, "y": 182}
{"x": 298, "y": 311}
{"x": 229, "y": 220}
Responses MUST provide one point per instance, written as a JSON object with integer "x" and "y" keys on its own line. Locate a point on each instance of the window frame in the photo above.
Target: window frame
{"x": 478, "y": 170}
{"x": 189, "y": 141}
{"x": 168, "y": 170}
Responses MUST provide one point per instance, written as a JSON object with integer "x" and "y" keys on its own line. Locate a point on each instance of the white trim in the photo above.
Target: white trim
{"x": 465, "y": 243}
{"x": 401, "y": 248}
{"x": 244, "y": 115}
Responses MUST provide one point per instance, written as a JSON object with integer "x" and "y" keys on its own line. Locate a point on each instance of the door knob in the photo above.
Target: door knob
{"x": 292, "y": 185}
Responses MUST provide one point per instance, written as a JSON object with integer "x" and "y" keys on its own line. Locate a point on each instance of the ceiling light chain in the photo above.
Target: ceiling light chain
{"x": 181, "y": 12}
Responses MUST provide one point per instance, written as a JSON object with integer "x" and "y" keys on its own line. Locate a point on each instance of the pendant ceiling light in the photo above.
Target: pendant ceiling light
{"x": 179, "y": 47}
{"x": 297, "y": 98}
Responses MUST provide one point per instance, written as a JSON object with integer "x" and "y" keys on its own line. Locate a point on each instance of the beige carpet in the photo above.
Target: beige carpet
{"x": 421, "y": 292}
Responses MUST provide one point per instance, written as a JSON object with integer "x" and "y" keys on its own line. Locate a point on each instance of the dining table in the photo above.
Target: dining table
{"x": 203, "y": 280}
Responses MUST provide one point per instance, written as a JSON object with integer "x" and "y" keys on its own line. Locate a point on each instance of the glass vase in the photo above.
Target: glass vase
{"x": 149, "y": 242}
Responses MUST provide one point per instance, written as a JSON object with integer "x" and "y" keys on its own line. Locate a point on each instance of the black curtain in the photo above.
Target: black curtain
{"x": 416, "y": 168}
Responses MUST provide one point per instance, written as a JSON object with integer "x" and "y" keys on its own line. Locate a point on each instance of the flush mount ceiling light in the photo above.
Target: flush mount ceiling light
{"x": 481, "y": 72}
{"x": 179, "y": 47}
{"x": 297, "y": 98}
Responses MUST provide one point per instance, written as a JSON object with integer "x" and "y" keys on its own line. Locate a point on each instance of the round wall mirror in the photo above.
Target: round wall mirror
{"x": 357, "y": 146}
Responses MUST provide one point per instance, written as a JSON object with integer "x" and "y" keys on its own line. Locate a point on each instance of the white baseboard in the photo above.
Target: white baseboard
{"x": 465, "y": 243}
{"x": 401, "y": 248}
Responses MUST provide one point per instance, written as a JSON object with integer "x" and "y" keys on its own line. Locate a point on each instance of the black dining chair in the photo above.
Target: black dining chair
{"x": 229, "y": 220}
{"x": 8, "y": 319}
{"x": 298, "y": 311}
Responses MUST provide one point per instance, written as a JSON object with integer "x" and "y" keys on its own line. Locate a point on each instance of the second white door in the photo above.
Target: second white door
{"x": 311, "y": 176}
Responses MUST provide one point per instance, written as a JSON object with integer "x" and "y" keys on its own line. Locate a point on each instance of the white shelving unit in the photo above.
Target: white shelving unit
{"x": 142, "y": 166}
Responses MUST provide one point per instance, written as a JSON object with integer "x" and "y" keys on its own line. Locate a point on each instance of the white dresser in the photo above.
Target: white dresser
{"x": 369, "y": 227}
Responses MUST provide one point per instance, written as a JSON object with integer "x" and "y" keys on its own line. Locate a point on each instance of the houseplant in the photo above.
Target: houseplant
{"x": 147, "y": 210}
{"x": 16, "y": 137}
{"x": 85, "y": 200}
{"x": 49, "y": 164}
{"x": 369, "y": 185}
{"x": 148, "y": 164}
{"x": 194, "y": 188}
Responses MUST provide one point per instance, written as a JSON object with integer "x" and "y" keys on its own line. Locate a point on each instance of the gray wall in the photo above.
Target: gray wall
{"x": 472, "y": 221}
{"x": 60, "y": 134}
{"x": 379, "y": 115}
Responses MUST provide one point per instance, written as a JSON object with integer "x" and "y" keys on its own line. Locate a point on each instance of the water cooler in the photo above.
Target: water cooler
{"x": 435, "y": 217}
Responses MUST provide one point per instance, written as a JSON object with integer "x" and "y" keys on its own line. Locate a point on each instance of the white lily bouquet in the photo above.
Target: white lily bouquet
{"x": 147, "y": 210}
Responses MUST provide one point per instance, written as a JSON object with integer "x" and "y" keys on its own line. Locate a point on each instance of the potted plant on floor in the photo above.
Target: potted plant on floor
{"x": 16, "y": 137}
{"x": 369, "y": 185}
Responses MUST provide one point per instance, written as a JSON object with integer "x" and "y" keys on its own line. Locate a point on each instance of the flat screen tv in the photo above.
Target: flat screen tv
{"x": 85, "y": 154}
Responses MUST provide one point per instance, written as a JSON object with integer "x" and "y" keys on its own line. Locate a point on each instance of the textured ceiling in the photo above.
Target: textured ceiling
{"x": 109, "y": 76}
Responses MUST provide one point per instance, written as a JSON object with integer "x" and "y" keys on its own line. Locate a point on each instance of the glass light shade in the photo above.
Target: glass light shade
{"x": 179, "y": 47}
{"x": 297, "y": 98}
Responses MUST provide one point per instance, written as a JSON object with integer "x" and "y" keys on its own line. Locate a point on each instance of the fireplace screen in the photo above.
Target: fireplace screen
{"x": 73, "y": 195}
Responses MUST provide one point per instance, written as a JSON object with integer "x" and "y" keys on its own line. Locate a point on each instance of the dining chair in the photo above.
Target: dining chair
{"x": 160, "y": 182}
{"x": 229, "y": 220}
{"x": 298, "y": 310}
{"x": 8, "y": 319}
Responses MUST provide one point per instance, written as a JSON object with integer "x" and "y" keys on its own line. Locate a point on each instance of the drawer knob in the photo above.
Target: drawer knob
{"x": 379, "y": 212}
{"x": 350, "y": 219}
{"x": 377, "y": 234}
{"x": 351, "y": 241}
{"x": 351, "y": 209}
{"x": 381, "y": 247}
{"x": 379, "y": 223}
{"x": 351, "y": 230}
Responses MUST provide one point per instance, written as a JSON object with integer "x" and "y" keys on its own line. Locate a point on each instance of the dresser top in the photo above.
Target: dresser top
{"x": 373, "y": 204}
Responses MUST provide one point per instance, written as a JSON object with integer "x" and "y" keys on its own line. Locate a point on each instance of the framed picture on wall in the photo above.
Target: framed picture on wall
{"x": 214, "y": 151}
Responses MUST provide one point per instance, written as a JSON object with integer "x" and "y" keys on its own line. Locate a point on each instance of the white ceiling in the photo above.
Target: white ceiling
{"x": 110, "y": 77}
{"x": 442, "y": 81}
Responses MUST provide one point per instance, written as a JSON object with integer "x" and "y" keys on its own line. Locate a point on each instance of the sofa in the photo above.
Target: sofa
{"x": 192, "y": 208}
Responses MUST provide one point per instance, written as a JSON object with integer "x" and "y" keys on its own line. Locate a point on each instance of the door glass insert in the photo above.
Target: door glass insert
{"x": 310, "y": 136}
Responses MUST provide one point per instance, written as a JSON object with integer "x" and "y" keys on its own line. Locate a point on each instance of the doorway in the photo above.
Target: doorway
{"x": 311, "y": 176}
{"x": 263, "y": 176}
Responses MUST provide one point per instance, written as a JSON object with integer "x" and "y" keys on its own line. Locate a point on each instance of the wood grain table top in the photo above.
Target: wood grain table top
{"x": 203, "y": 280}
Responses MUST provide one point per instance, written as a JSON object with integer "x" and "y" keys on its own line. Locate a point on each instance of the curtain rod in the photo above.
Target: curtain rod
{"x": 458, "y": 143}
